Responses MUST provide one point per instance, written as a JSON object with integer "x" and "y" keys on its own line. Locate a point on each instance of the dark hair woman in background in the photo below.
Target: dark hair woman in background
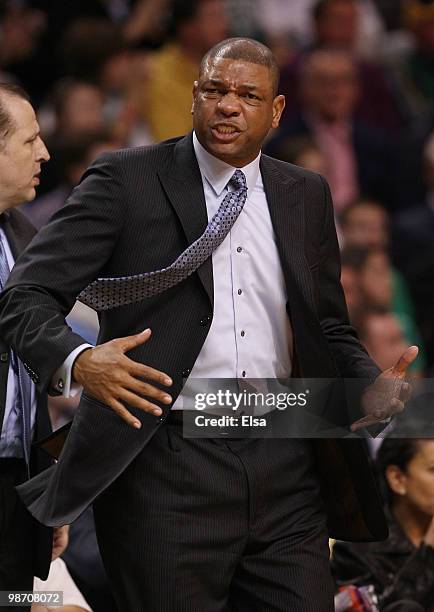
{"x": 401, "y": 568}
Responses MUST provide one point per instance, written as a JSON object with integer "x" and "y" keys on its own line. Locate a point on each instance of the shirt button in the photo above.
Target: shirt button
{"x": 185, "y": 373}
{"x": 239, "y": 249}
{"x": 243, "y": 333}
{"x": 4, "y": 357}
{"x": 243, "y": 373}
{"x": 240, "y": 291}
{"x": 205, "y": 320}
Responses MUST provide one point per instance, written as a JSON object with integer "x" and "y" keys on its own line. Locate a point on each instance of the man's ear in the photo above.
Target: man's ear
{"x": 195, "y": 90}
{"x": 278, "y": 106}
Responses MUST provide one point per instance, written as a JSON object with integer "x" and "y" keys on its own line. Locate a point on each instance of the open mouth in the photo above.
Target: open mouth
{"x": 225, "y": 133}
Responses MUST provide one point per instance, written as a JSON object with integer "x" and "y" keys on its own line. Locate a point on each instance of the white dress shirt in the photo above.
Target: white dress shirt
{"x": 250, "y": 335}
{"x": 11, "y": 444}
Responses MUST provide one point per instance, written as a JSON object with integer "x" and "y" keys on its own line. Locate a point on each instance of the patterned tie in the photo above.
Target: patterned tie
{"x": 106, "y": 293}
{"x": 23, "y": 382}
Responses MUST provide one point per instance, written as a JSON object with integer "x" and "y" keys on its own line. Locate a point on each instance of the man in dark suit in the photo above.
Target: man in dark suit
{"x": 25, "y": 546}
{"x": 200, "y": 524}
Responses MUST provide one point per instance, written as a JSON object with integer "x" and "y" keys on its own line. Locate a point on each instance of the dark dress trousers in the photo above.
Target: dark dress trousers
{"x": 136, "y": 210}
{"x": 25, "y": 545}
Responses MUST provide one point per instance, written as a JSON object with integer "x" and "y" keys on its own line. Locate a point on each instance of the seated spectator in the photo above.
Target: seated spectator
{"x": 73, "y": 109}
{"x": 365, "y": 224}
{"x": 74, "y": 155}
{"x": 197, "y": 25}
{"x": 413, "y": 250}
{"x": 413, "y": 74}
{"x": 336, "y": 26}
{"x": 381, "y": 334}
{"x": 359, "y": 156}
{"x": 379, "y": 287}
{"x": 401, "y": 569}
{"x": 303, "y": 152}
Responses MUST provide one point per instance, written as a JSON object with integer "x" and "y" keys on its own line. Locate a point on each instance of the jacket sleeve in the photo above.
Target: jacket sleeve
{"x": 351, "y": 358}
{"x": 62, "y": 259}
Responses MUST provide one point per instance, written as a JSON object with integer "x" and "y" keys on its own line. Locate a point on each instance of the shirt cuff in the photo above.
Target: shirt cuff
{"x": 62, "y": 381}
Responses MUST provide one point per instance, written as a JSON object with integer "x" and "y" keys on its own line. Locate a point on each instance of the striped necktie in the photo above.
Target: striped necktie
{"x": 106, "y": 293}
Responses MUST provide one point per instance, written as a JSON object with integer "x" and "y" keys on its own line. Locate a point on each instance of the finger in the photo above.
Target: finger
{"x": 405, "y": 392}
{"x": 144, "y": 371}
{"x": 147, "y": 390}
{"x": 124, "y": 413}
{"x": 139, "y": 402}
{"x": 129, "y": 342}
{"x": 364, "y": 422}
{"x": 397, "y": 406}
{"x": 408, "y": 356}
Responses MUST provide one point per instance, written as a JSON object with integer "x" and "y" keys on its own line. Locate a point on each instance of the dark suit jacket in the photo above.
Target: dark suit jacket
{"x": 137, "y": 210}
{"x": 19, "y": 233}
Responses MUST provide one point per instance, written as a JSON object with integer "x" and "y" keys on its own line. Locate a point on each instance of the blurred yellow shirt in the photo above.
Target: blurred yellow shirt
{"x": 170, "y": 87}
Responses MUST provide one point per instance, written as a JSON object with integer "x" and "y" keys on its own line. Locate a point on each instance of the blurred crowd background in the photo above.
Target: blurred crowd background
{"x": 358, "y": 76}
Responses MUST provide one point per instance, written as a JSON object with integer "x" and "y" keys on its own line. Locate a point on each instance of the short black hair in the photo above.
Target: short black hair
{"x": 6, "y": 122}
{"x": 247, "y": 50}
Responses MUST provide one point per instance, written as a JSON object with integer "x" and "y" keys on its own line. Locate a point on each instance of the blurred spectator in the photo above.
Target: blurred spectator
{"x": 413, "y": 250}
{"x": 96, "y": 52}
{"x": 303, "y": 152}
{"x": 336, "y": 24}
{"x": 197, "y": 25}
{"x": 78, "y": 108}
{"x": 147, "y": 22}
{"x": 373, "y": 283}
{"x": 365, "y": 224}
{"x": 74, "y": 155}
{"x": 294, "y": 19}
{"x": 21, "y": 30}
{"x": 381, "y": 333}
{"x": 350, "y": 262}
{"x": 359, "y": 157}
{"x": 401, "y": 569}
{"x": 74, "y": 109}
{"x": 414, "y": 74}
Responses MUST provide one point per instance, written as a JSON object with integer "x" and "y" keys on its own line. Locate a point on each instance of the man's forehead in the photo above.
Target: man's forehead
{"x": 226, "y": 69}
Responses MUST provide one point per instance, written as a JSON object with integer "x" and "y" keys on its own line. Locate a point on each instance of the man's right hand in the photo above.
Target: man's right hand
{"x": 106, "y": 373}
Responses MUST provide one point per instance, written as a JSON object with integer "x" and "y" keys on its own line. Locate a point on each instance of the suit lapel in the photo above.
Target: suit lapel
{"x": 182, "y": 183}
{"x": 16, "y": 233}
{"x": 286, "y": 203}
{"x": 285, "y": 198}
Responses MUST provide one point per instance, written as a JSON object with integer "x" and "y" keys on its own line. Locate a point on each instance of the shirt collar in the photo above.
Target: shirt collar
{"x": 218, "y": 173}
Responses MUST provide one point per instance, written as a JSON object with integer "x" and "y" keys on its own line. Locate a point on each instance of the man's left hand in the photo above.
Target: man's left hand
{"x": 388, "y": 393}
{"x": 60, "y": 541}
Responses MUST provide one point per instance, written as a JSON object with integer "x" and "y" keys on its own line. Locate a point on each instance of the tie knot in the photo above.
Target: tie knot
{"x": 238, "y": 180}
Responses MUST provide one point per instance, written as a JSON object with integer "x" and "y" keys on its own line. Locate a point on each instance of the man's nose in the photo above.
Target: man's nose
{"x": 43, "y": 155}
{"x": 229, "y": 105}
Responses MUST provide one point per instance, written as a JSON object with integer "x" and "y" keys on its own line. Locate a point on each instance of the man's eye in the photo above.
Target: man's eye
{"x": 211, "y": 90}
{"x": 251, "y": 96}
